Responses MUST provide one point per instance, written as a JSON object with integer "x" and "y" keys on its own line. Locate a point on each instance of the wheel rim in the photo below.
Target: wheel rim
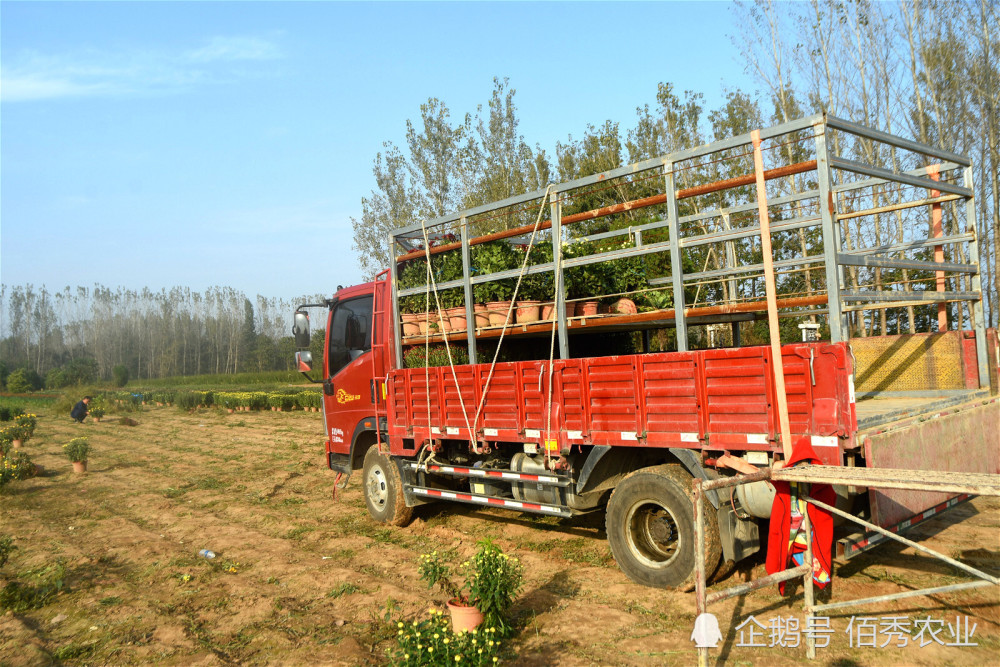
{"x": 377, "y": 487}
{"x": 652, "y": 534}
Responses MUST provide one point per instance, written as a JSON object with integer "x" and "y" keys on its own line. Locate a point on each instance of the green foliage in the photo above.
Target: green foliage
{"x": 119, "y": 375}
{"x": 437, "y": 355}
{"x": 77, "y": 449}
{"x": 282, "y": 401}
{"x": 432, "y": 642}
{"x": 20, "y": 597}
{"x": 494, "y": 257}
{"x": 6, "y": 548}
{"x": 23, "y": 380}
{"x": 495, "y": 581}
{"x": 436, "y": 572}
{"x": 8, "y": 412}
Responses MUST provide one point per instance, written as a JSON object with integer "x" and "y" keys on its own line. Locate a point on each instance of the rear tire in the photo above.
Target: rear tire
{"x": 383, "y": 489}
{"x": 650, "y": 526}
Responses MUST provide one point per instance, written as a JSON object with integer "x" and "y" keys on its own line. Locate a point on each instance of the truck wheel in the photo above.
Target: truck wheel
{"x": 650, "y": 526}
{"x": 384, "y": 489}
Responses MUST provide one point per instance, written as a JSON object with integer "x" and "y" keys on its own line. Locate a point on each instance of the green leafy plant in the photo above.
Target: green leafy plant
{"x": 494, "y": 581}
{"x": 494, "y": 257}
{"x": 436, "y": 355}
{"x": 97, "y": 412}
{"x": 492, "y": 578}
{"x": 77, "y": 449}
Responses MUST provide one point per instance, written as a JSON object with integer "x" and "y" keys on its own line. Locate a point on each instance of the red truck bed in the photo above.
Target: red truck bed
{"x": 709, "y": 399}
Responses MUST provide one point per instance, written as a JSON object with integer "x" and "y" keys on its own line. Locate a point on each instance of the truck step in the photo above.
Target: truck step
{"x": 479, "y": 499}
{"x": 490, "y": 473}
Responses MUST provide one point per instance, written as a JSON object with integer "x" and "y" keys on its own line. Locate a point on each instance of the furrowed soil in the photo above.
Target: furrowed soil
{"x": 303, "y": 578}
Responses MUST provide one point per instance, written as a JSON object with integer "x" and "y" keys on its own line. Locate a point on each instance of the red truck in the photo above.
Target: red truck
{"x": 568, "y": 424}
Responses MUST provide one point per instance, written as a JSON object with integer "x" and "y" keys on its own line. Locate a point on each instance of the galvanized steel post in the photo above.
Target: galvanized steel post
{"x": 470, "y": 310}
{"x": 676, "y": 270}
{"x": 557, "y": 269}
{"x": 839, "y": 331}
{"x": 977, "y": 285}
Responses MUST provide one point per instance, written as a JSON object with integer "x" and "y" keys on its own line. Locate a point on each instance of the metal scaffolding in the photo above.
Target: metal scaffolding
{"x": 860, "y": 221}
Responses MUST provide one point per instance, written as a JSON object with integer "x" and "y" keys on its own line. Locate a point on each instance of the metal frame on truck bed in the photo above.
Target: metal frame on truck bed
{"x": 573, "y": 409}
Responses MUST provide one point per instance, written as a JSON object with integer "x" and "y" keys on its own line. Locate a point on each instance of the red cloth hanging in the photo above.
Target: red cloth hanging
{"x": 782, "y": 546}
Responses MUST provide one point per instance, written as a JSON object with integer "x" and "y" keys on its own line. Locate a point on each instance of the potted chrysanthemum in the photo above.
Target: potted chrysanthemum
{"x": 77, "y": 450}
{"x": 492, "y": 579}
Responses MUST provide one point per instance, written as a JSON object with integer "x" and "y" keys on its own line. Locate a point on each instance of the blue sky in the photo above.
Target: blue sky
{"x": 156, "y": 144}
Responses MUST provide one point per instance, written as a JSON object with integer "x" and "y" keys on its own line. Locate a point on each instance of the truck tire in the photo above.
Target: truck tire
{"x": 383, "y": 489}
{"x": 650, "y": 526}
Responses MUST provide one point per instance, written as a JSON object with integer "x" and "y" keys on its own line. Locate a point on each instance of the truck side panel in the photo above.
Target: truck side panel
{"x": 722, "y": 399}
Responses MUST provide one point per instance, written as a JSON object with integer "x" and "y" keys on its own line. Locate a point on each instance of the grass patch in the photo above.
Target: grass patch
{"x": 72, "y": 651}
{"x": 345, "y": 588}
{"x": 20, "y": 597}
{"x": 299, "y": 532}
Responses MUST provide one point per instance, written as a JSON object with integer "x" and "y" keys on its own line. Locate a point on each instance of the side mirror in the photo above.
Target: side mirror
{"x": 303, "y": 361}
{"x": 300, "y": 329}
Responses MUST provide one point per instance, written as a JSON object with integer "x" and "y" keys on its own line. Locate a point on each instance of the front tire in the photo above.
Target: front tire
{"x": 650, "y": 526}
{"x": 383, "y": 489}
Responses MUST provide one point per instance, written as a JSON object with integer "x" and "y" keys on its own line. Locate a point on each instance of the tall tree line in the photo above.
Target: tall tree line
{"x": 926, "y": 69}
{"x": 152, "y": 333}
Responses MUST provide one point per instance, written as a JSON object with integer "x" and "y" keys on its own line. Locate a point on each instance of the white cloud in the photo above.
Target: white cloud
{"x": 29, "y": 76}
{"x": 234, "y": 49}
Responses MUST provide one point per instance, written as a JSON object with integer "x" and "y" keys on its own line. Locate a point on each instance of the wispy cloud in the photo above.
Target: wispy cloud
{"x": 235, "y": 49}
{"x": 30, "y": 76}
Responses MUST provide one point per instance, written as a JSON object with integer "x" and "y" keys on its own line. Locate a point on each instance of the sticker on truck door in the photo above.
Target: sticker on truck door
{"x": 344, "y": 397}
{"x": 336, "y": 435}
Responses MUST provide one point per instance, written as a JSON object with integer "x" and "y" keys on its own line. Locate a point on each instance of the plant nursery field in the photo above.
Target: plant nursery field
{"x": 301, "y": 578}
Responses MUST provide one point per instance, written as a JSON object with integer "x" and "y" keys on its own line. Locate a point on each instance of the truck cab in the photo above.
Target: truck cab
{"x": 349, "y": 370}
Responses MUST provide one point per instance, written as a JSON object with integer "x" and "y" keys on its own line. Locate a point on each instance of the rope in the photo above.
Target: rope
{"x": 510, "y": 310}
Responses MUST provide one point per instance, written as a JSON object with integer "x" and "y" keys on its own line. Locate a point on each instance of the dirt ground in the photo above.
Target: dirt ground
{"x": 301, "y": 578}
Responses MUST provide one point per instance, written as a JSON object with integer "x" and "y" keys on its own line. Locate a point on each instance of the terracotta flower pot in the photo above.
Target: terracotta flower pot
{"x": 410, "y": 326}
{"x": 229, "y": 410}
{"x": 549, "y": 309}
{"x": 625, "y": 307}
{"x": 464, "y": 617}
{"x": 456, "y": 317}
{"x": 497, "y": 311}
{"x": 586, "y": 308}
{"x": 16, "y": 444}
{"x": 79, "y": 467}
{"x": 482, "y": 315}
{"x": 527, "y": 311}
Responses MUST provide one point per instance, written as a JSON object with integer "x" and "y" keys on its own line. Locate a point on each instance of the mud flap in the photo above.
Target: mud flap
{"x": 740, "y": 538}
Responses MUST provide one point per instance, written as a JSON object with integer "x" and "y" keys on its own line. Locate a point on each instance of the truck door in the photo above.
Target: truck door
{"x": 347, "y": 395}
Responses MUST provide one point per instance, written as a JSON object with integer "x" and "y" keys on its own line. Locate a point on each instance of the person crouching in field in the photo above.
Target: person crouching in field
{"x": 79, "y": 412}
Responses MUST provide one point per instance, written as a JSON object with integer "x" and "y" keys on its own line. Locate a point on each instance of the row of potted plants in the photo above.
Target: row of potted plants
{"x": 277, "y": 401}
{"x": 585, "y": 287}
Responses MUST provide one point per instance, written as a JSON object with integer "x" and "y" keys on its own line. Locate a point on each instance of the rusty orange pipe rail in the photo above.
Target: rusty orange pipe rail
{"x": 686, "y": 193}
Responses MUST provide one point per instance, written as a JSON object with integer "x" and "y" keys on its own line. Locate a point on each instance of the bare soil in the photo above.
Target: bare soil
{"x": 303, "y": 578}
